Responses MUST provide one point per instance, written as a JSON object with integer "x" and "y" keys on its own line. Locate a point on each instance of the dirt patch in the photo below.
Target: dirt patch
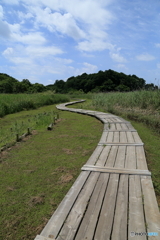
{"x": 65, "y": 178}
{"x": 58, "y": 120}
{"x": 29, "y": 171}
{"x": 60, "y": 170}
{"x": 68, "y": 151}
{"x": 86, "y": 153}
{"x": 63, "y": 135}
{"x": 10, "y": 189}
{"x": 36, "y": 200}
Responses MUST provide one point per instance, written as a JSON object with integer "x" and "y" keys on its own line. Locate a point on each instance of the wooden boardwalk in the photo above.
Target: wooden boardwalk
{"x": 113, "y": 198}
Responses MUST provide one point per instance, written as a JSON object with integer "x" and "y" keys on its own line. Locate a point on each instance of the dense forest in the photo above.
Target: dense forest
{"x": 9, "y": 84}
{"x": 103, "y": 81}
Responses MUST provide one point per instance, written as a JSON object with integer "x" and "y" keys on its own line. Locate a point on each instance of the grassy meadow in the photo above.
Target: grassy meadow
{"x": 37, "y": 172}
{"x": 12, "y": 103}
{"x": 141, "y": 106}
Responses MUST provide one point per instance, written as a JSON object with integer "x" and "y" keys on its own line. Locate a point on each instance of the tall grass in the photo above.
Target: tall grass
{"x": 11, "y": 103}
{"x": 142, "y": 106}
{"x": 140, "y": 99}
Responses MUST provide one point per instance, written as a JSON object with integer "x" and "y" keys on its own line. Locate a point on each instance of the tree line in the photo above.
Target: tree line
{"x": 103, "y": 81}
{"x": 9, "y": 84}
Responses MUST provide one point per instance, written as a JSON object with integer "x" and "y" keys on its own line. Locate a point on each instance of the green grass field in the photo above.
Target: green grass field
{"x": 37, "y": 172}
{"x": 11, "y": 103}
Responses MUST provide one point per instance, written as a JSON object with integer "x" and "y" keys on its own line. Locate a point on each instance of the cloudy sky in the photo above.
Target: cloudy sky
{"x": 46, "y": 40}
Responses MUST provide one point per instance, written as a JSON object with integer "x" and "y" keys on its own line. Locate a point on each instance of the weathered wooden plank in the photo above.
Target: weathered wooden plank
{"x": 106, "y": 127}
{"x": 112, "y": 156}
{"x": 103, "y": 157}
{"x": 110, "y": 137}
{"x": 131, "y": 162}
{"x": 123, "y": 137}
{"x": 116, "y": 137}
{"x": 118, "y": 126}
{"x": 117, "y": 122}
{"x": 104, "y": 137}
{"x": 120, "y": 159}
{"x": 95, "y": 155}
{"x": 75, "y": 216}
{"x": 121, "y": 130}
{"x": 120, "y": 144}
{"x": 89, "y": 222}
{"x": 112, "y": 126}
{"x": 136, "y": 214}
{"x": 116, "y": 170}
{"x": 124, "y": 126}
{"x": 120, "y": 217}
{"x": 39, "y": 237}
{"x": 136, "y": 137}
{"x": 141, "y": 159}
{"x": 130, "y": 137}
{"x": 104, "y": 226}
{"x": 56, "y": 221}
{"x": 152, "y": 214}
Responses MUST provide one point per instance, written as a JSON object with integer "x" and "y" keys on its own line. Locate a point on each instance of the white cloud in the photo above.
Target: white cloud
{"x": 25, "y": 16}
{"x": 4, "y": 29}
{"x": 89, "y": 68}
{"x": 145, "y": 57}
{"x": 1, "y": 12}
{"x": 157, "y": 45}
{"x": 117, "y": 57}
{"x": 85, "y": 20}
{"x": 62, "y": 23}
{"x": 94, "y": 44}
{"x": 121, "y": 66}
{"x": 33, "y": 38}
{"x": 63, "y": 60}
{"x": 86, "y": 68}
{"x": 9, "y": 51}
{"x": 21, "y": 60}
{"x": 42, "y": 51}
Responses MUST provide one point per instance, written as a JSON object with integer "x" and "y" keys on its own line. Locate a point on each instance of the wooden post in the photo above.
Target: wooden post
{"x": 28, "y": 131}
{"x": 17, "y": 137}
{"x": 50, "y": 126}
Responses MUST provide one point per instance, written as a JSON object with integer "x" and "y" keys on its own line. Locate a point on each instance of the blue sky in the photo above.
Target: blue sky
{"x": 46, "y": 40}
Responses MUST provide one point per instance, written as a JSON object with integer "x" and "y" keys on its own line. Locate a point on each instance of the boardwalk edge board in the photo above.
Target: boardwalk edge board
{"x": 116, "y": 170}
{"x": 113, "y": 195}
{"x": 39, "y": 237}
{"x": 120, "y": 144}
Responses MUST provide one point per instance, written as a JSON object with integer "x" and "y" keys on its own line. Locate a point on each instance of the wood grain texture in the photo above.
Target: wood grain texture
{"x": 75, "y": 216}
{"x": 116, "y": 170}
{"x": 136, "y": 212}
{"x": 104, "y": 226}
{"x": 152, "y": 214}
{"x": 56, "y": 222}
{"x": 120, "y": 224}
{"x": 89, "y": 222}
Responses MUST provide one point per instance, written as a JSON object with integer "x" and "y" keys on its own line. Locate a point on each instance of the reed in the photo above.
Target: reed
{"x": 12, "y": 103}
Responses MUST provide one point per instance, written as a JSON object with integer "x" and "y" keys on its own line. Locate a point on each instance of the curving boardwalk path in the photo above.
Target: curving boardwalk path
{"x": 113, "y": 198}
